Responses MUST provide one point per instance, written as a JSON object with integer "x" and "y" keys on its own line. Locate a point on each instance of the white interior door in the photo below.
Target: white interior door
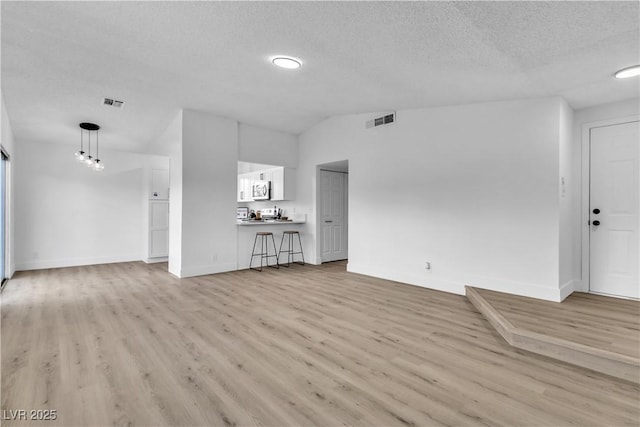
{"x": 333, "y": 217}
{"x": 613, "y": 212}
{"x": 158, "y": 228}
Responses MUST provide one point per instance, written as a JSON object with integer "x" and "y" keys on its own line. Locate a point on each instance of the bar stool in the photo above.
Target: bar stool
{"x": 264, "y": 250}
{"x": 291, "y": 252}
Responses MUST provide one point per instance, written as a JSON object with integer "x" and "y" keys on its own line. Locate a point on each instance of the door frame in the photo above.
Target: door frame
{"x": 318, "y": 225}
{"x": 586, "y": 191}
{"x": 6, "y": 215}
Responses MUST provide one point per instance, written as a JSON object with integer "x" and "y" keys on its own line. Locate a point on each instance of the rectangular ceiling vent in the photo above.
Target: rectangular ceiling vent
{"x": 113, "y": 103}
{"x": 387, "y": 119}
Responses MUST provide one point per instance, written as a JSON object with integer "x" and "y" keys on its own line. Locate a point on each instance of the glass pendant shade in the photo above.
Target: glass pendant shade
{"x": 97, "y": 166}
{"x": 80, "y": 156}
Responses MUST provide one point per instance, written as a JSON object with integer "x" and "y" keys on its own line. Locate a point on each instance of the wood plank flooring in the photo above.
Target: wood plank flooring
{"x": 129, "y": 344}
{"x": 607, "y": 323}
{"x": 537, "y": 340}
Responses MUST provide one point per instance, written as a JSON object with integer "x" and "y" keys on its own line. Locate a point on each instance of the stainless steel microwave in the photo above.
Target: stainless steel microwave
{"x": 261, "y": 190}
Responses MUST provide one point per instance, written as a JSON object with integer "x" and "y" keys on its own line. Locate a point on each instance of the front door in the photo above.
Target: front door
{"x": 613, "y": 212}
{"x": 333, "y": 215}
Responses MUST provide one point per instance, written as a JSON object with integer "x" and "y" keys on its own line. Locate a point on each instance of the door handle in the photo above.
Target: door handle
{"x": 328, "y": 221}
{"x": 596, "y": 222}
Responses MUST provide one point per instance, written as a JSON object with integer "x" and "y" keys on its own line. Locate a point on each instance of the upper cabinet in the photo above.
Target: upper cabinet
{"x": 159, "y": 184}
{"x": 245, "y": 181}
{"x": 283, "y": 183}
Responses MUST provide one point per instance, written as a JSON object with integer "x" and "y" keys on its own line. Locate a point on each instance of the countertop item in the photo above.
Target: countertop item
{"x": 271, "y": 222}
{"x": 242, "y": 213}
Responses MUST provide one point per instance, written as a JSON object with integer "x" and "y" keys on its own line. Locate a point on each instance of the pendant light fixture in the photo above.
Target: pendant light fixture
{"x": 86, "y": 158}
{"x": 80, "y": 154}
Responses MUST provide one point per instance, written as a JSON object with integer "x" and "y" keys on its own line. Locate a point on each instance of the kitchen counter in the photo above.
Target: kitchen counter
{"x": 270, "y": 222}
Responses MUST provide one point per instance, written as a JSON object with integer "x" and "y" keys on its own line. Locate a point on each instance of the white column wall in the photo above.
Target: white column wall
{"x": 209, "y": 177}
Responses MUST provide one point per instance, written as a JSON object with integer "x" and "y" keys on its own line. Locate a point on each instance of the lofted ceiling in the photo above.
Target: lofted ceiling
{"x": 60, "y": 58}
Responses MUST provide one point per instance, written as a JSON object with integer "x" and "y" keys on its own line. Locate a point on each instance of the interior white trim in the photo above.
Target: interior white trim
{"x": 156, "y": 260}
{"x": 207, "y": 269}
{"x": 568, "y": 288}
{"x": 584, "y": 194}
{"x": 74, "y": 262}
{"x": 318, "y": 205}
{"x": 404, "y": 278}
{"x": 530, "y": 290}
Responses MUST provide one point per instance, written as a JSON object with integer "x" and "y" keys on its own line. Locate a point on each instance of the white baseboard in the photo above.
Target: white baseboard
{"x": 74, "y": 262}
{"x": 530, "y": 290}
{"x": 207, "y": 269}
{"x": 568, "y": 288}
{"x": 458, "y": 287}
{"x": 436, "y": 284}
{"x": 156, "y": 260}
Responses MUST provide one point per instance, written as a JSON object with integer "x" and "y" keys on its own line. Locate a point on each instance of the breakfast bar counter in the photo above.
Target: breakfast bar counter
{"x": 270, "y": 222}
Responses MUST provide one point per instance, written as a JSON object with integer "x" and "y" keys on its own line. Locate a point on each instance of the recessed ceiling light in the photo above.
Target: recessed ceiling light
{"x": 625, "y": 73}
{"x": 286, "y": 62}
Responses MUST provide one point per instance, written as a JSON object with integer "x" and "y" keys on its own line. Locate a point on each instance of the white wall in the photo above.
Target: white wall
{"x": 8, "y": 144}
{"x": 472, "y": 189}
{"x": 69, "y": 215}
{"x": 260, "y": 145}
{"x": 209, "y": 179}
{"x": 580, "y": 169}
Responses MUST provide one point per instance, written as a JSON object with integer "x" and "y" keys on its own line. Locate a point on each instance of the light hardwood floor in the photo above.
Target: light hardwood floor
{"x": 129, "y": 344}
{"x": 568, "y": 336}
{"x": 607, "y": 323}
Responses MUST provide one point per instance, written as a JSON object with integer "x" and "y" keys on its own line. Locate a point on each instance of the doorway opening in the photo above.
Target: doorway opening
{"x": 613, "y": 209}
{"x": 332, "y": 214}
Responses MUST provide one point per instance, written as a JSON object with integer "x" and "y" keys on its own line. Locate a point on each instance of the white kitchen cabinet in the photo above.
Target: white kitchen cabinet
{"x": 283, "y": 183}
{"x": 264, "y": 175}
{"x": 245, "y": 181}
{"x": 159, "y": 184}
{"x": 158, "y": 228}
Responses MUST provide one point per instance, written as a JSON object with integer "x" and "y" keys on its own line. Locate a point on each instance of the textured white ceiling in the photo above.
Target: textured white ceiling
{"x": 60, "y": 58}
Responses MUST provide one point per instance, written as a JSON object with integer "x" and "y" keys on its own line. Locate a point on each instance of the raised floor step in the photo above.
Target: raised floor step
{"x": 614, "y": 363}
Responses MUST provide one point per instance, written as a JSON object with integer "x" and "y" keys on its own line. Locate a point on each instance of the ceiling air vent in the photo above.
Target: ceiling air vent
{"x": 387, "y": 119}
{"x": 113, "y": 103}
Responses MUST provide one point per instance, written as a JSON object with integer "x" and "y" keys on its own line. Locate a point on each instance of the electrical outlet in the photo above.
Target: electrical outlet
{"x": 215, "y": 258}
{"x": 427, "y": 265}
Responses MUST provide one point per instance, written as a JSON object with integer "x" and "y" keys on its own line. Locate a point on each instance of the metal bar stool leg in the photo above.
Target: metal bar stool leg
{"x": 253, "y": 253}
{"x": 280, "y": 251}
{"x": 265, "y": 252}
{"x": 275, "y": 253}
{"x": 301, "y": 251}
